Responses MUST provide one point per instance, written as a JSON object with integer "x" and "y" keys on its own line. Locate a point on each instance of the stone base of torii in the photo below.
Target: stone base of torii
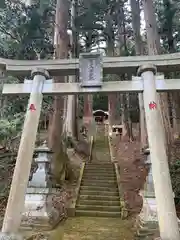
{"x": 147, "y": 221}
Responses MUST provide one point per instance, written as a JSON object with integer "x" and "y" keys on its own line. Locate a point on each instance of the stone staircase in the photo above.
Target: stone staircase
{"x": 99, "y": 195}
{"x": 101, "y": 153}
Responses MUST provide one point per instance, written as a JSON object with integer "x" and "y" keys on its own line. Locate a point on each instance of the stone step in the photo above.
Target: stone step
{"x": 99, "y": 197}
{"x": 105, "y": 184}
{"x": 100, "y": 165}
{"x": 99, "y": 193}
{"x": 99, "y": 202}
{"x": 141, "y": 235}
{"x": 99, "y": 189}
{"x": 99, "y": 208}
{"x": 100, "y": 180}
{"x": 99, "y": 168}
{"x": 97, "y": 213}
{"x": 94, "y": 174}
{"x": 99, "y": 177}
{"x": 99, "y": 171}
{"x": 98, "y": 183}
{"x": 106, "y": 163}
{"x": 39, "y": 227}
{"x": 149, "y": 225}
{"x": 101, "y": 144}
{"x": 101, "y": 140}
{"x": 101, "y": 159}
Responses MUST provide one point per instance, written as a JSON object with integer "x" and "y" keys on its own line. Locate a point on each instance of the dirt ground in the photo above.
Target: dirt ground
{"x": 133, "y": 171}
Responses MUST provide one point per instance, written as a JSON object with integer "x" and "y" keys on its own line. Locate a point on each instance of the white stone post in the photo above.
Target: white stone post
{"x": 15, "y": 205}
{"x": 167, "y": 218}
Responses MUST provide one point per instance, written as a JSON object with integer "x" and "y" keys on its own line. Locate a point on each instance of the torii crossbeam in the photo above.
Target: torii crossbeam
{"x": 50, "y": 88}
{"x": 111, "y": 65}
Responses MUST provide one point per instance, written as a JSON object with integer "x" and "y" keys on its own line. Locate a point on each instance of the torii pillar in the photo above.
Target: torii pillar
{"x": 15, "y": 205}
{"x": 167, "y": 218}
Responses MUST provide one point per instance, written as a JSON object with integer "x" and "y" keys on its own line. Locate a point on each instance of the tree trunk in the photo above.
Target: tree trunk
{"x": 128, "y": 119}
{"x": 153, "y": 42}
{"x": 88, "y": 109}
{"x": 175, "y": 99}
{"x": 111, "y": 108}
{"x": 71, "y": 121}
{"x": 57, "y": 129}
{"x": 70, "y": 116}
{"x": 125, "y": 98}
{"x": 75, "y": 54}
{"x": 136, "y": 20}
{"x": 110, "y": 53}
{"x": 3, "y": 99}
{"x": 88, "y": 99}
{"x": 169, "y": 13}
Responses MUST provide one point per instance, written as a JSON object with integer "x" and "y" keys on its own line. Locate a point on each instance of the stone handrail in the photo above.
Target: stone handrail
{"x": 72, "y": 204}
{"x": 124, "y": 211}
{"x": 164, "y": 63}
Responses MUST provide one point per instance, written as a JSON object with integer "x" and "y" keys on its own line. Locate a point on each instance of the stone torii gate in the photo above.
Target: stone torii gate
{"x": 91, "y": 66}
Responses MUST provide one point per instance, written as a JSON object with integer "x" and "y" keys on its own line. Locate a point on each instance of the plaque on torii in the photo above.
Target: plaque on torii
{"x": 90, "y": 70}
{"x": 91, "y": 78}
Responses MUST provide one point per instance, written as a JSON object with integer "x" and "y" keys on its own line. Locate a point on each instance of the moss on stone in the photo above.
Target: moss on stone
{"x": 80, "y": 228}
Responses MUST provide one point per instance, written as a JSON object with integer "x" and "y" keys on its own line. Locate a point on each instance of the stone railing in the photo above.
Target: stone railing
{"x": 72, "y": 204}
{"x": 124, "y": 212}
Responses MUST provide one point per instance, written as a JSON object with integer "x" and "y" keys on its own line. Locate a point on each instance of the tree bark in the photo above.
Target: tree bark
{"x": 88, "y": 109}
{"x": 153, "y": 42}
{"x": 169, "y": 13}
{"x": 3, "y": 99}
{"x": 110, "y": 53}
{"x": 125, "y": 98}
{"x": 57, "y": 128}
{"x": 136, "y": 20}
{"x": 175, "y": 99}
{"x": 71, "y": 121}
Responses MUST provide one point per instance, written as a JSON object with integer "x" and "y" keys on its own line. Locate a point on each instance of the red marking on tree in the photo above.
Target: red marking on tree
{"x": 32, "y": 107}
{"x": 152, "y": 105}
